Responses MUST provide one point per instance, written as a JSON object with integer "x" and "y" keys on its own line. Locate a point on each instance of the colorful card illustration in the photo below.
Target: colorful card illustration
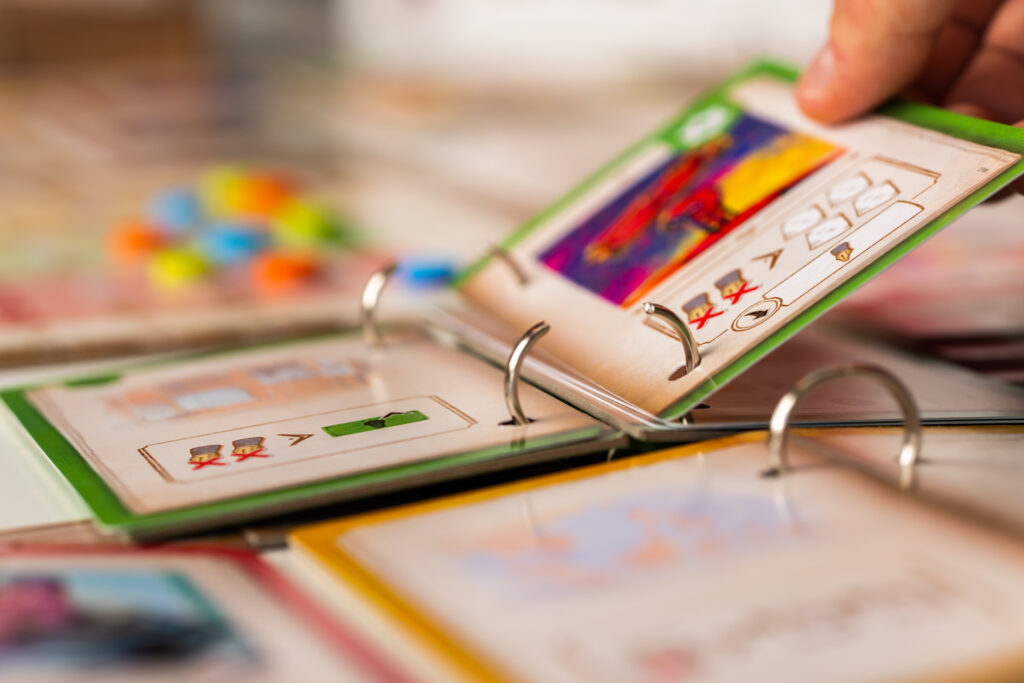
{"x": 202, "y": 441}
{"x": 747, "y": 220}
{"x": 691, "y": 565}
{"x": 166, "y": 615}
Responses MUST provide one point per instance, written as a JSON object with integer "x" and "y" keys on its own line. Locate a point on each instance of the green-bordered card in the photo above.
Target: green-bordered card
{"x": 744, "y": 218}
{"x": 235, "y": 435}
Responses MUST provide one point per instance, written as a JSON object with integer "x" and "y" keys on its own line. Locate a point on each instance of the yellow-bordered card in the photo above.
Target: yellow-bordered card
{"x": 692, "y": 565}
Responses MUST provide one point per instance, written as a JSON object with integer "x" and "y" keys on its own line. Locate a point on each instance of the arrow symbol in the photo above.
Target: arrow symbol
{"x": 296, "y": 438}
{"x": 771, "y": 257}
{"x": 757, "y": 315}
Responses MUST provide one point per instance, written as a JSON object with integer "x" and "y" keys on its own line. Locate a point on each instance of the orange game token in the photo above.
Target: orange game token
{"x": 133, "y": 241}
{"x": 259, "y": 194}
{"x": 277, "y": 272}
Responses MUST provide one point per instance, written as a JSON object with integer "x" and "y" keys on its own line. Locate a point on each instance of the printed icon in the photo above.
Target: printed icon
{"x": 847, "y": 189}
{"x": 204, "y": 456}
{"x": 842, "y": 251}
{"x": 771, "y": 257}
{"x": 833, "y": 227}
{"x": 371, "y": 424}
{"x": 756, "y": 314}
{"x": 699, "y": 310}
{"x": 250, "y": 447}
{"x": 801, "y": 222}
{"x": 874, "y": 197}
{"x": 704, "y": 125}
{"x": 296, "y": 438}
{"x": 733, "y": 286}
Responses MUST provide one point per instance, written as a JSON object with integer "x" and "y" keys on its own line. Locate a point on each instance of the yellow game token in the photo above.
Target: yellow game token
{"x": 302, "y": 223}
{"x": 220, "y": 188}
{"x": 174, "y": 269}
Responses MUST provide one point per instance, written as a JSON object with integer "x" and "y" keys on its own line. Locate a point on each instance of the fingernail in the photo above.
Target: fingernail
{"x": 817, "y": 78}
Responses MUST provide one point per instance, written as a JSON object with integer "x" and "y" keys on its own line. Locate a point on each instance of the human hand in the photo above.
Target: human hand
{"x": 966, "y": 55}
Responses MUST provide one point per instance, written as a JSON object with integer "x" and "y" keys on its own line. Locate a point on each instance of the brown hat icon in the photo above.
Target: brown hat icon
{"x": 842, "y": 251}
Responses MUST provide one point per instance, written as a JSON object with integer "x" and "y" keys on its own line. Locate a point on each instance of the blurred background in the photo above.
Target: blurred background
{"x": 106, "y": 101}
{"x": 427, "y": 126}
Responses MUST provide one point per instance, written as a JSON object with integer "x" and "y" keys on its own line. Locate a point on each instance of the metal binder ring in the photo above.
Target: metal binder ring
{"x": 368, "y": 304}
{"x": 690, "y": 351}
{"x": 778, "y": 427}
{"x": 499, "y": 252}
{"x": 512, "y": 370}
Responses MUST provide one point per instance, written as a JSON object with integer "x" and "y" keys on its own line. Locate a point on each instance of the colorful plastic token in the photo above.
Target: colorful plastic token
{"x": 175, "y": 269}
{"x": 232, "y": 243}
{"x": 133, "y": 241}
{"x": 426, "y": 273}
{"x": 303, "y": 223}
{"x": 279, "y": 272}
{"x": 176, "y": 210}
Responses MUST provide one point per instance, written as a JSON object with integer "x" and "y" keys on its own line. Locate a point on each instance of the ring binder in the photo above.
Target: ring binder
{"x": 502, "y": 255}
{"x": 690, "y": 350}
{"x": 368, "y": 304}
{"x": 513, "y": 368}
{"x": 778, "y": 432}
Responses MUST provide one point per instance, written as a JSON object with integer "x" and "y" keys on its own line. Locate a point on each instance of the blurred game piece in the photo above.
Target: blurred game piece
{"x": 175, "y": 210}
{"x": 241, "y": 254}
{"x": 174, "y": 269}
{"x": 217, "y": 186}
{"x": 302, "y": 223}
{"x": 226, "y": 243}
{"x": 232, "y": 217}
{"x": 280, "y": 272}
{"x": 423, "y": 272}
{"x": 132, "y": 241}
{"x": 259, "y": 194}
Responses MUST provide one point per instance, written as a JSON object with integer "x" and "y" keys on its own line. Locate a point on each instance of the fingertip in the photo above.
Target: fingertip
{"x": 818, "y": 105}
{"x": 816, "y": 91}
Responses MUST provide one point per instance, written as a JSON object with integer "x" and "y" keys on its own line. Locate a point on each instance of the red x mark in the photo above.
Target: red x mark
{"x": 200, "y": 465}
{"x": 735, "y": 296}
{"x": 699, "y": 322}
{"x": 254, "y": 454}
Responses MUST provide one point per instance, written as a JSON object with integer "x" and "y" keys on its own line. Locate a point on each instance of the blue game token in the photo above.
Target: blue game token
{"x": 230, "y": 243}
{"x": 176, "y": 210}
{"x": 425, "y": 272}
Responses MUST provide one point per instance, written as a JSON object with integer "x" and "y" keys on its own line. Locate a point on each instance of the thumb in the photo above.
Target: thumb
{"x": 875, "y": 48}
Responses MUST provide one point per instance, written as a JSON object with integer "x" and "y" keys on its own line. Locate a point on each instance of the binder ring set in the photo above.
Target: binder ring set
{"x": 778, "y": 427}
{"x": 370, "y": 300}
{"x": 778, "y": 430}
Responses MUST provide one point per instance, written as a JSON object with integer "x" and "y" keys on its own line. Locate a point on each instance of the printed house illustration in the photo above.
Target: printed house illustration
{"x": 842, "y": 251}
{"x": 247, "y": 445}
{"x": 698, "y": 306}
{"x": 731, "y": 283}
{"x": 204, "y": 454}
